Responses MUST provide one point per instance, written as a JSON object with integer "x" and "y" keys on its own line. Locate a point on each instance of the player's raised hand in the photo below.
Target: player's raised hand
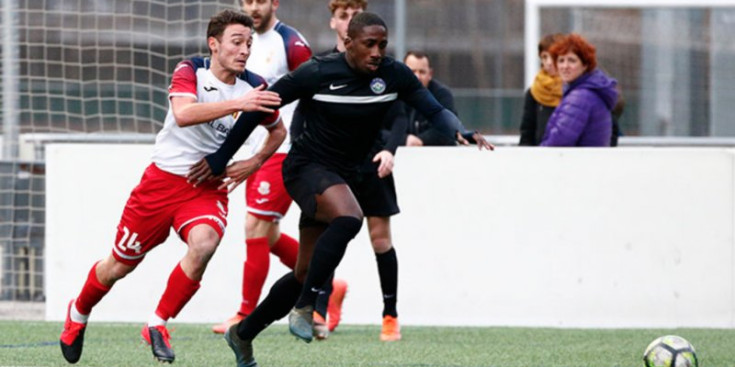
{"x": 238, "y": 172}
{"x": 386, "y": 163}
{"x": 200, "y": 172}
{"x": 259, "y": 99}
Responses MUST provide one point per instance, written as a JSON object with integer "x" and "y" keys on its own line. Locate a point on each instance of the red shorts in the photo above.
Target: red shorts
{"x": 265, "y": 195}
{"x": 163, "y": 200}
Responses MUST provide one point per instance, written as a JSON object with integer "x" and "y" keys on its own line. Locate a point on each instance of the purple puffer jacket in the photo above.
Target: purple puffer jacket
{"x": 583, "y": 117}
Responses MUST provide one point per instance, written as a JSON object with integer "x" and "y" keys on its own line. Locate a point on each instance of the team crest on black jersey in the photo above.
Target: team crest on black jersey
{"x": 377, "y": 85}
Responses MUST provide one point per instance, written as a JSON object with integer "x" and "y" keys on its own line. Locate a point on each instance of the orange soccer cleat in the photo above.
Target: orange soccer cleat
{"x": 334, "y": 310}
{"x": 391, "y": 329}
{"x": 222, "y": 328}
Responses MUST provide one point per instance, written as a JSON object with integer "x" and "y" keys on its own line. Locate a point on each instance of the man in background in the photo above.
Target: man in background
{"x": 420, "y": 132}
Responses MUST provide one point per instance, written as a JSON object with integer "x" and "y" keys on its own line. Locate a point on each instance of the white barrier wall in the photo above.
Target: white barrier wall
{"x": 630, "y": 237}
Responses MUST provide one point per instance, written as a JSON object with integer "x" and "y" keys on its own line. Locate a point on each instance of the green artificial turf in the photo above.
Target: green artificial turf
{"x": 27, "y": 344}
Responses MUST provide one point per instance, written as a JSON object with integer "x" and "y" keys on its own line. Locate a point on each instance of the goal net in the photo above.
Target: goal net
{"x": 104, "y": 66}
{"x": 80, "y": 70}
{"x": 672, "y": 58}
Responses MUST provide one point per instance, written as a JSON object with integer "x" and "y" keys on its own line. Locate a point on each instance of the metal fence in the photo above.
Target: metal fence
{"x": 22, "y": 220}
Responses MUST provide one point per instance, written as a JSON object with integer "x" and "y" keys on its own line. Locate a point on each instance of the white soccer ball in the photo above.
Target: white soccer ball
{"x": 670, "y": 351}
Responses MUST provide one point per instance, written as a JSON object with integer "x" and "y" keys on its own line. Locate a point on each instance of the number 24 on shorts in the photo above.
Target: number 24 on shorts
{"x": 128, "y": 241}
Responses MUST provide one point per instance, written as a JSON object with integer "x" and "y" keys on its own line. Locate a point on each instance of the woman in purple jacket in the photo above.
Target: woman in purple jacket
{"x": 583, "y": 117}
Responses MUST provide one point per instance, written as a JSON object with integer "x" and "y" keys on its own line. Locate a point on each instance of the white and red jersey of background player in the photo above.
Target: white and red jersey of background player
{"x": 273, "y": 54}
{"x": 178, "y": 148}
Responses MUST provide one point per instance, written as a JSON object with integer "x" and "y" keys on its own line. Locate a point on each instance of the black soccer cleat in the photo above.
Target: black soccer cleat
{"x": 72, "y": 338}
{"x": 243, "y": 348}
{"x": 160, "y": 341}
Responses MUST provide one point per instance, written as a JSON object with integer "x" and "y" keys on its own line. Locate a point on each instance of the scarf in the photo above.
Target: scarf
{"x": 546, "y": 89}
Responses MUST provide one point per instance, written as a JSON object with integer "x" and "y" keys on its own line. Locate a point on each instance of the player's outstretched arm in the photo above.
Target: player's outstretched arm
{"x": 258, "y": 99}
{"x": 213, "y": 165}
{"x": 441, "y": 118}
{"x": 446, "y": 120}
{"x": 295, "y": 85}
{"x": 236, "y": 173}
{"x": 187, "y": 111}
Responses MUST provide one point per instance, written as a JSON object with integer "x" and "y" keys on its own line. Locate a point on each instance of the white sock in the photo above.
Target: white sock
{"x": 76, "y": 316}
{"x": 154, "y": 320}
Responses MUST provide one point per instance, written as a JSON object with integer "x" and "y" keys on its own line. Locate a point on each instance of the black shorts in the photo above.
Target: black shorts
{"x": 305, "y": 179}
{"x": 377, "y": 196}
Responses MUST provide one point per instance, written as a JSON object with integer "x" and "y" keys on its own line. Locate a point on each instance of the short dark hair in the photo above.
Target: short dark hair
{"x": 417, "y": 54}
{"x": 221, "y": 20}
{"x": 362, "y": 20}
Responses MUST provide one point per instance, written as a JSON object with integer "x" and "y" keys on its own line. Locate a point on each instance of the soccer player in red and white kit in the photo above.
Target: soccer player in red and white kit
{"x": 277, "y": 50}
{"x": 206, "y": 98}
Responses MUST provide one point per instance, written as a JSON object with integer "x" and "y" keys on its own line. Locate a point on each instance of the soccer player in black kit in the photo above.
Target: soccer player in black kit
{"x": 344, "y": 98}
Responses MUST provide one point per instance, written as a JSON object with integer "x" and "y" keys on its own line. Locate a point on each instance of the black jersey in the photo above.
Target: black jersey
{"x": 344, "y": 110}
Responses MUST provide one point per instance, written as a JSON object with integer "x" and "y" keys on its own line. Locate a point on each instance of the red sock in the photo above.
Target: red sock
{"x": 287, "y": 249}
{"x": 179, "y": 290}
{"x": 92, "y": 292}
{"x": 254, "y": 272}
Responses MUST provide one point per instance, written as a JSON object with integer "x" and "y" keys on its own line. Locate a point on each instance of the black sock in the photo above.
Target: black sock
{"x": 388, "y": 271}
{"x": 322, "y": 300}
{"x": 328, "y": 252}
{"x": 280, "y": 300}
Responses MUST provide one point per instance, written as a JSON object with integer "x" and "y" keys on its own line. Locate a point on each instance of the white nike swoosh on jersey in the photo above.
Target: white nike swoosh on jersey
{"x": 181, "y": 66}
{"x": 335, "y": 87}
{"x": 299, "y": 43}
{"x": 261, "y": 201}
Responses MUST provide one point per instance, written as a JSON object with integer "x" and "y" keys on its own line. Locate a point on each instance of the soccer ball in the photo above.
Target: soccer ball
{"x": 670, "y": 351}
